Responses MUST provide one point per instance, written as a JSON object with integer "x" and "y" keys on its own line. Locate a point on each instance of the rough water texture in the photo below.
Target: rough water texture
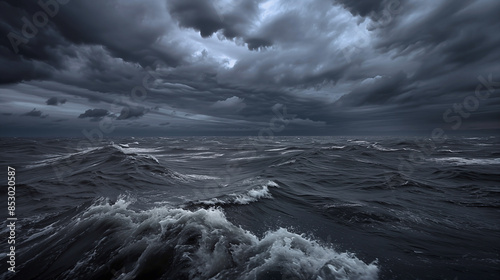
{"x": 242, "y": 208}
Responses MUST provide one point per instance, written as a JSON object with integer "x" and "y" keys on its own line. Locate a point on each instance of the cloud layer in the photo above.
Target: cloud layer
{"x": 159, "y": 67}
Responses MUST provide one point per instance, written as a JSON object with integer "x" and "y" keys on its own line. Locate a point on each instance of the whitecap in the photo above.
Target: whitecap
{"x": 292, "y": 161}
{"x": 252, "y": 195}
{"x": 277, "y": 149}
{"x": 334, "y": 147}
{"x": 127, "y": 150}
{"x": 468, "y": 161}
{"x": 382, "y": 149}
{"x": 199, "y": 244}
{"x": 201, "y": 177}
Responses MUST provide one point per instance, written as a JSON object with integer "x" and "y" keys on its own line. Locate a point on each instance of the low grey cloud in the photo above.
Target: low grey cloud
{"x": 379, "y": 91}
{"x": 94, "y": 114}
{"x": 233, "y": 104}
{"x": 55, "y": 101}
{"x": 130, "y": 112}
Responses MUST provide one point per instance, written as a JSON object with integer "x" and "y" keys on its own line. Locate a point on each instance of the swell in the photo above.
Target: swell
{"x": 99, "y": 157}
{"x": 252, "y": 195}
{"x": 104, "y": 171}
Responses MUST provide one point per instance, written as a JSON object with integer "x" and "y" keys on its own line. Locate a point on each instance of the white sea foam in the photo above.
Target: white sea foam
{"x": 191, "y": 177}
{"x": 201, "y": 177}
{"x": 200, "y": 244}
{"x": 382, "y": 149}
{"x": 334, "y": 147}
{"x": 272, "y": 184}
{"x": 127, "y": 150}
{"x": 207, "y": 155}
{"x": 292, "y": 161}
{"x": 277, "y": 149}
{"x": 359, "y": 142}
{"x": 151, "y": 157}
{"x": 212, "y": 201}
{"x": 446, "y": 151}
{"x": 468, "y": 161}
{"x": 291, "y": 151}
{"x": 251, "y": 195}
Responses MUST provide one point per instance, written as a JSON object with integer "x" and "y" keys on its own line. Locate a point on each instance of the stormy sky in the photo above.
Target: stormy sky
{"x": 244, "y": 67}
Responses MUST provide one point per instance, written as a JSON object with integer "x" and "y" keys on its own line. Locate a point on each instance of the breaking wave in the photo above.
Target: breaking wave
{"x": 251, "y": 195}
{"x": 171, "y": 243}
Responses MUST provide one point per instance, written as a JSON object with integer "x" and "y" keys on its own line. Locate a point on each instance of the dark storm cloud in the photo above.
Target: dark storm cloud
{"x": 441, "y": 54}
{"x": 380, "y": 92}
{"x": 54, "y": 101}
{"x": 229, "y": 105}
{"x": 198, "y": 14}
{"x": 121, "y": 29}
{"x": 124, "y": 31}
{"x": 368, "y": 7}
{"x": 94, "y": 114}
{"x": 338, "y": 65}
{"x": 208, "y": 18}
{"x": 256, "y": 43}
{"x": 450, "y": 40}
{"x": 130, "y": 112}
{"x": 15, "y": 69}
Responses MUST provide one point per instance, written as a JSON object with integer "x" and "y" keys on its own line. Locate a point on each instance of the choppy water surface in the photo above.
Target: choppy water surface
{"x": 241, "y": 208}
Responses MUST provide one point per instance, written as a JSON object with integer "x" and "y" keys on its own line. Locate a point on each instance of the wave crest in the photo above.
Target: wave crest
{"x": 174, "y": 243}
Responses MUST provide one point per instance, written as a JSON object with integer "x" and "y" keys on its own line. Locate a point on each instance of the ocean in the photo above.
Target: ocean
{"x": 250, "y": 208}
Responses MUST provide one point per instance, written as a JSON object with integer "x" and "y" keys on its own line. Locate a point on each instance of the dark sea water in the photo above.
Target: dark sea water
{"x": 244, "y": 208}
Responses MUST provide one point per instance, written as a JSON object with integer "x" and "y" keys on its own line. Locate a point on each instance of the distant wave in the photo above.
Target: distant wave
{"x": 98, "y": 153}
{"x": 252, "y": 195}
{"x": 467, "y": 161}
